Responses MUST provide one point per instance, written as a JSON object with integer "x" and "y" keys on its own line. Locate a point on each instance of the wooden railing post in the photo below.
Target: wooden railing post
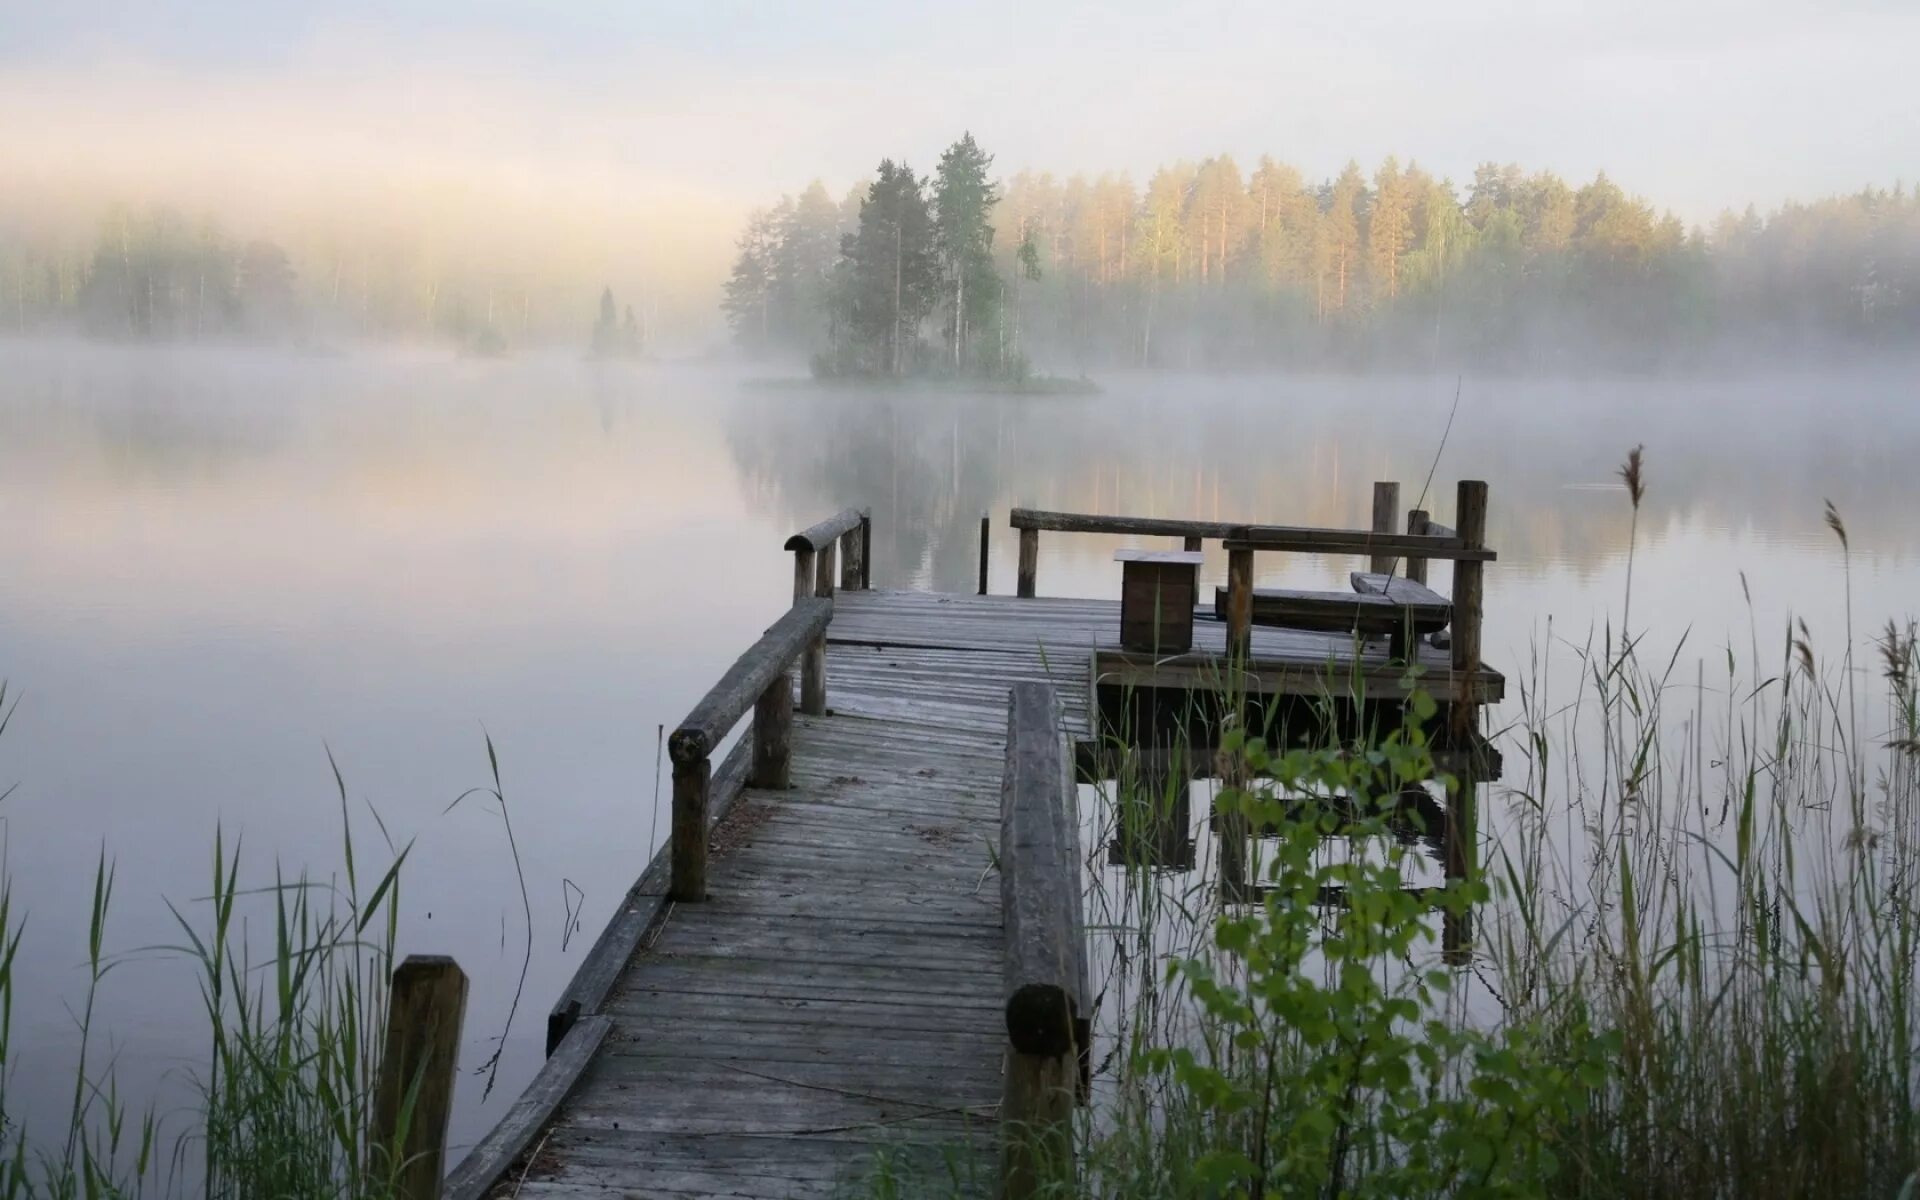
{"x": 823, "y": 581}
{"x": 1029, "y": 561}
{"x": 850, "y": 578}
{"x": 813, "y": 678}
{"x": 773, "y": 734}
{"x": 1239, "y": 603}
{"x": 802, "y": 574}
{"x": 425, "y": 1009}
{"x": 866, "y": 552}
{"x": 1463, "y": 716}
{"x": 984, "y": 527}
{"x": 1386, "y": 511}
{"x": 1417, "y": 523}
{"x": 1190, "y": 544}
{"x": 692, "y": 785}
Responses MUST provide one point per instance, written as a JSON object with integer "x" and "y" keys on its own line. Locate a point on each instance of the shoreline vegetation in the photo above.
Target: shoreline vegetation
{"x": 1037, "y": 385}
{"x": 1695, "y": 968}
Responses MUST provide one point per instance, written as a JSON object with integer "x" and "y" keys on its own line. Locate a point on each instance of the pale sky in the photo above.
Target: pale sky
{"x": 1694, "y": 104}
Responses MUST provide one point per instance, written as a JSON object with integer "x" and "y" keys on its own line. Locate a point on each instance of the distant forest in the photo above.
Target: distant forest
{"x": 1209, "y": 267}
{"x": 155, "y": 274}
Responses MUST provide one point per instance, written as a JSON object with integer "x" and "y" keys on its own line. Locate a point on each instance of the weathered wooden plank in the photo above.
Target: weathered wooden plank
{"x": 1039, "y": 881}
{"x": 1305, "y": 540}
{"x": 497, "y": 1152}
{"x": 1066, "y": 522}
{"x": 1366, "y": 613}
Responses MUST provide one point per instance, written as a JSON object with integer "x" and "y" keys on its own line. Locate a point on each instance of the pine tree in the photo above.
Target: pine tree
{"x": 749, "y": 292}
{"x": 889, "y": 277}
{"x": 963, "y": 199}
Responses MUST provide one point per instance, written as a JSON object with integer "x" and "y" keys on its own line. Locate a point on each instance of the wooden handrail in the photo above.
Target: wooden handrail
{"x": 819, "y": 537}
{"x": 762, "y": 680}
{"x": 1048, "y": 1008}
{"x": 1066, "y": 522}
{"x": 1305, "y": 540}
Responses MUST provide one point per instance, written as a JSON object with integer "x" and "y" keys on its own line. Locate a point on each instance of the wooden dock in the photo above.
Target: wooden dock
{"x": 820, "y": 969}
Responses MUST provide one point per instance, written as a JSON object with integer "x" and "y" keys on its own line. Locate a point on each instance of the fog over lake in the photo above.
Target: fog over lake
{"x": 218, "y": 566}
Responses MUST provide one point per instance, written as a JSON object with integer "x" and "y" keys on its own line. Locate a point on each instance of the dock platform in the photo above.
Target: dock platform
{"x": 816, "y": 977}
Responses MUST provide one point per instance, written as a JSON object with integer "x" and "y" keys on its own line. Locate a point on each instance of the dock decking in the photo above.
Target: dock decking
{"x": 818, "y": 973}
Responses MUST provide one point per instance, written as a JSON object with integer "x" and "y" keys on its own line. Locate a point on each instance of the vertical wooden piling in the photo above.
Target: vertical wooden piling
{"x": 1191, "y": 545}
{"x": 1463, "y": 715}
{"x": 813, "y": 678}
{"x": 1029, "y": 560}
{"x": 850, "y": 579}
{"x": 773, "y": 734}
{"x": 1239, "y": 603}
{"x": 425, "y": 1009}
{"x": 1418, "y": 522}
{"x": 803, "y": 581}
{"x": 1386, "y": 512}
{"x": 985, "y": 526}
{"x": 691, "y": 784}
{"x": 823, "y": 573}
{"x": 866, "y": 552}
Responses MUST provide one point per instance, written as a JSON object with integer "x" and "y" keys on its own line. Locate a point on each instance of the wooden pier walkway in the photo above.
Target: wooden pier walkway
{"x": 816, "y": 972}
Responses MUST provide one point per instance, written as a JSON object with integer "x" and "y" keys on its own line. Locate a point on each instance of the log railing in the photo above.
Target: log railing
{"x": 1048, "y": 1009}
{"x": 847, "y": 535}
{"x": 760, "y": 680}
{"x": 1031, "y": 521}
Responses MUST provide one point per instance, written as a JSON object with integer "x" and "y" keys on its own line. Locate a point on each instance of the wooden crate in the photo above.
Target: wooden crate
{"x": 1158, "y": 589}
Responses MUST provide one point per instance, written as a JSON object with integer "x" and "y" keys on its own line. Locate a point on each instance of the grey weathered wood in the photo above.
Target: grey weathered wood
{"x": 1397, "y": 589}
{"x": 747, "y": 678}
{"x": 825, "y": 562}
{"x": 1460, "y": 843}
{"x": 1029, "y": 561}
{"x": 690, "y": 832}
{"x": 1375, "y": 678}
{"x": 851, "y": 557}
{"x": 985, "y": 527}
{"x": 637, "y": 911}
{"x": 497, "y": 1153}
{"x": 819, "y": 537}
{"x": 1048, "y": 1008}
{"x": 425, "y": 1009}
{"x": 1239, "y": 602}
{"x": 866, "y": 550}
{"x": 1386, "y": 511}
{"x": 773, "y": 734}
{"x": 1039, "y": 878}
{"x": 1419, "y": 524}
{"x": 1185, "y": 558}
{"x": 802, "y": 573}
{"x": 813, "y": 677}
{"x": 1302, "y": 540}
{"x": 1365, "y": 613}
{"x": 1065, "y": 522}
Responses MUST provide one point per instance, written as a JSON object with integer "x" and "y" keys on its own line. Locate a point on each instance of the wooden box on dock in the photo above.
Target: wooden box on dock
{"x": 1158, "y": 589}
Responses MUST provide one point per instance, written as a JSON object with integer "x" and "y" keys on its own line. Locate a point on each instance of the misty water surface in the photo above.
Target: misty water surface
{"x": 216, "y": 566}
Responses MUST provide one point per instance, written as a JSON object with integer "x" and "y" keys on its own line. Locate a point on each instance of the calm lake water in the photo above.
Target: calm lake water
{"x": 215, "y": 566}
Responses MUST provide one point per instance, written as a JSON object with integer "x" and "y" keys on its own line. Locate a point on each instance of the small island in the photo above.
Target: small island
{"x": 859, "y": 304}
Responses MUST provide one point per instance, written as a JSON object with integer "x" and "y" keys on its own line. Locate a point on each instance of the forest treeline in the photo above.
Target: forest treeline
{"x": 1208, "y": 266}
{"x": 156, "y": 274}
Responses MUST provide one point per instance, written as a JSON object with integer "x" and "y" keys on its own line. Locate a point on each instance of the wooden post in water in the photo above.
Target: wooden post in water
{"x": 1386, "y": 512}
{"x": 1463, "y": 716}
{"x": 1029, "y": 561}
{"x": 802, "y": 574}
{"x": 823, "y": 581}
{"x": 1417, "y": 523}
{"x": 1239, "y": 603}
{"x": 425, "y": 1009}
{"x": 985, "y": 526}
{"x": 692, "y": 781}
{"x": 773, "y": 734}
